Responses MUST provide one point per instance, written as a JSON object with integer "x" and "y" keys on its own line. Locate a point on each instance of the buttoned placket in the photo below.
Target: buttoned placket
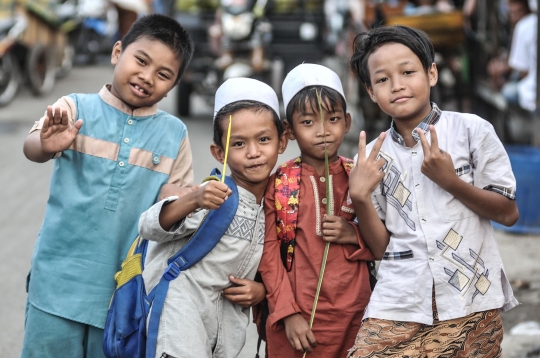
{"x": 122, "y": 164}
{"x": 418, "y": 177}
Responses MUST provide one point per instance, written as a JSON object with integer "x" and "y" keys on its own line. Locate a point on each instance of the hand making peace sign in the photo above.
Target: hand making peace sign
{"x": 437, "y": 165}
{"x": 367, "y": 173}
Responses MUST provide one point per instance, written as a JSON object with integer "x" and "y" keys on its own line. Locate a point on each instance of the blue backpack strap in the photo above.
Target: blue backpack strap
{"x": 212, "y": 228}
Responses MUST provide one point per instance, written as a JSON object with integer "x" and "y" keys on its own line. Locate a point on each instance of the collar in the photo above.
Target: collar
{"x": 432, "y": 118}
{"x": 106, "y": 95}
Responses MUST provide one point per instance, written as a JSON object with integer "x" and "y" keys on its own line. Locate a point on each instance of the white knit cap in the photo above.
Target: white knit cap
{"x": 245, "y": 89}
{"x": 309, "y": 74}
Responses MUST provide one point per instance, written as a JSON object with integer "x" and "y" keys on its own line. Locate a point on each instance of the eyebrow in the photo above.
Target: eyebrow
{"x": 406, "y": 62}
{"x": 164, "y": 68}
{"x": 262, "y": 132}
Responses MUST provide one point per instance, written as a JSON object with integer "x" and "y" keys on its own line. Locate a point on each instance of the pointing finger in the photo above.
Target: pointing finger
{"x": 423, "y": 141}
{"x": 434, "y": 139}
{"x": 362, "y": 145}
{"x": 377, "y": 147}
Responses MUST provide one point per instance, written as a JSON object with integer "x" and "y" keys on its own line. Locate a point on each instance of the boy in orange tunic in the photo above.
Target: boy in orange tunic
{"x": 298, "y": 227}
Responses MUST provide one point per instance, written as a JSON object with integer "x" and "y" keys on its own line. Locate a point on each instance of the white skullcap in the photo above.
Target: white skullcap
{"x": 309, "y": 74}
{"x": 245, "y": 89}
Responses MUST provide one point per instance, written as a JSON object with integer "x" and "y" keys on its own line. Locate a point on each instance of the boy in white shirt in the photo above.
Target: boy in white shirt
{"x": 427, "y": 190}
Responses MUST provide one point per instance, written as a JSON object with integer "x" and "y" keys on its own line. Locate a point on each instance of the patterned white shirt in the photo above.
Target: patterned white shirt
{"x": 435, "y": 239}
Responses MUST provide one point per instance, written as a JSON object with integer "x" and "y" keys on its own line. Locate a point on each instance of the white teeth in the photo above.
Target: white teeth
{"x": 139, "y": 89}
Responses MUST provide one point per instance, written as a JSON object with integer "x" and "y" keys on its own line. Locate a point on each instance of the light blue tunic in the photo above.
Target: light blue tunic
{"x": 99, "y": 187}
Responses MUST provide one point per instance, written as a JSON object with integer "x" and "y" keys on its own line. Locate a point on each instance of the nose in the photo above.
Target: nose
{"x": 321, "y": 129}
{"x": 253, "y": 151}
{"x": 397, "y": 84}
{"x": 145, "y": 75}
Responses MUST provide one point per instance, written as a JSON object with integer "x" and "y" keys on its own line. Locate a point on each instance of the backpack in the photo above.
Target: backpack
{"x": 126, "y": 334}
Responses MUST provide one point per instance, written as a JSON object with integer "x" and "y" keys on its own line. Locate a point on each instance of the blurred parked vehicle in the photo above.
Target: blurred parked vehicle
{"x": 95, "y": 32}
{"x": 33, "y": 44}
{"x": 12, "y": 26}
{"x": 265, "y": 39}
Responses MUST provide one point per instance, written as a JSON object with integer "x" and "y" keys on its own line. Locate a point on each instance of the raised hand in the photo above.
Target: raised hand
{"x": 57, "y": 133}
{"x": 437, "y": 164}
{"x": 299, "y": 334}
{"x": 367, "y": 173}
{"x": 212, "y": 194}
{"x": 338, "y": 230}
{"x": 246, "y": 292}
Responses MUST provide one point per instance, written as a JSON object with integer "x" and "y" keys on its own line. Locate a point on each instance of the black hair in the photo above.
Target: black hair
{"x": 524, "y": 3}
{"x": 166, "y": 30}
{"x": 366, "y": 43}
{"x": 232, "y": 108}
{"x": 330, "y": 100}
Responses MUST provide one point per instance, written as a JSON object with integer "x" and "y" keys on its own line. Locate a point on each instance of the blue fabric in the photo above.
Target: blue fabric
{"x": 93, "y": 210}
{"x": 125, "y": 334}
{"x": 43, "y": 330}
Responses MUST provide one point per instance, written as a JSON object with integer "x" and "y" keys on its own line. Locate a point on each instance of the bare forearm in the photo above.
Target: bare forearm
{"x": 32, "y": 149}
{"x": 486, "y": 203}
{"x": 371, "y": 227}
{"x": 177, "y": 210}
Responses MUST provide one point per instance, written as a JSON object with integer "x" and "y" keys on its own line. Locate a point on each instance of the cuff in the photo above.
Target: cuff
{"x": 275, "y": 317}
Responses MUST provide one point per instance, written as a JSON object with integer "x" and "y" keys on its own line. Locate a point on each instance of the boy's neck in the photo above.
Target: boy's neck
{"x": 318, "y": 164}
{"x": 257, "y": 189}
{"x": 406, "y": 126}
{"x": 405, "y": 129}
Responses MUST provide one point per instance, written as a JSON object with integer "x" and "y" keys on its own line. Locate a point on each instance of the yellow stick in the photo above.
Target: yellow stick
{"x": 226, "y": 150}
{"x": 329, "y": 211}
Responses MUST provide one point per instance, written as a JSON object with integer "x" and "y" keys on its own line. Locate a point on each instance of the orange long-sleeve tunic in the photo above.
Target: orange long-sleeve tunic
{"x": 345, "y": 288}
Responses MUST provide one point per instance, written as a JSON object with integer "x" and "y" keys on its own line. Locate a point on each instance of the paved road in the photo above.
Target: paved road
{"x": 24, "y": 191}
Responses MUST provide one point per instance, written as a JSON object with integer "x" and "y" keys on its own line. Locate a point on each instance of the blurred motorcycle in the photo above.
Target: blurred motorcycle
{"x": 95, "y": 32}
{"x": 11, "y": 27}
{"x": 245, "y": 34}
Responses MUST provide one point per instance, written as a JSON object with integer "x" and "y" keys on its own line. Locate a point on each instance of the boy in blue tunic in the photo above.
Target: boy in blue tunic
{"x": 106, "y": 173}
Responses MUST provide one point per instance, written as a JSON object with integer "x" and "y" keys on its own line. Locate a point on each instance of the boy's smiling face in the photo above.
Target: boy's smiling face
{"x": 307, "y": 130}
{"x": 253, "y": 149}
{"x": 144, "y": 72}
{"x": 399, "y": 83}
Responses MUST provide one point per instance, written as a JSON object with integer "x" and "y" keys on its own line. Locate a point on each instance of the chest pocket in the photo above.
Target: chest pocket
{"x": 455, "y": 210}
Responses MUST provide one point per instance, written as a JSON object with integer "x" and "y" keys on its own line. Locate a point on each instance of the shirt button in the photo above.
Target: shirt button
{"x": 431, "y": 259}
{"x": 323, "y": 179}
{"x": 156, "y": 159}
{"x": 126, "y": 140}
{"x": 130, "y": 122}
{"x": 416, "y": 185}
{"x": 413, "y": 153}
{"x": 121, "y": 164}
{"x": 423, "y": 221}
{"x": 324, "y": 201}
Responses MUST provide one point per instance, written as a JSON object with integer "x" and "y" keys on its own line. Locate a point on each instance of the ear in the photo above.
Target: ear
{"x": 217, "y": 152}
{"x": 283, "y": 141}
{"x": 371, "y": 93}
{"x": 348, "y": 122}
{"x": 433, "y": 75}
{"x": 288, "y": 130}
{"x": 116, "y": 51}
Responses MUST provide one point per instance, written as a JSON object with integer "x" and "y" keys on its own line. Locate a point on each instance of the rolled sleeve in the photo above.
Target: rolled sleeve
{"x": 150, "y": 228}
{"x": 360, "y": 252}
{"x": 492, "y": 168}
